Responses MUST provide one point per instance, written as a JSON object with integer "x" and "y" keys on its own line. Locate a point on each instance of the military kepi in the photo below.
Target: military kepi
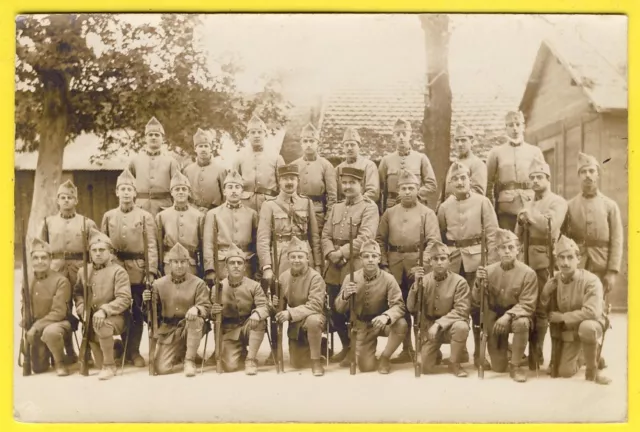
{"x": 290, "y": 169}
{"x": 356, "y": 173}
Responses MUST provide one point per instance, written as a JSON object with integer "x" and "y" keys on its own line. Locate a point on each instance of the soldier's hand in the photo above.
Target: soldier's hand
{"x": 150, "y": 278}
{"x": 380, "y": 322}
{"x": 254, "y": 320}
{"x": 98, "y": 318}
{"x": 335, "y": 256}
{"x": 146, "y": 295}
{"x": 418, "y": 272}
{"x": 609, "y": 281}
{"x": 32, "y": 335}
{"x": 216, "y": 309}
{"x": 349, "y": 290}
{"x": 268, "y": 275}
{"x": 481, "y": 272}
{"x": 283, "y": 316}
{"x": 502, "y": 325}
{"x": 80, "y": 312}
{"x": 192, "y": 313}
{"x": 556, "y": 317}
{"x": 432, "y": 334}
{"x": 523, "y": 216}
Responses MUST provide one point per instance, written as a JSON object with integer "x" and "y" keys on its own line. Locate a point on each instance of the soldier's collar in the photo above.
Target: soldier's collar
{"x": 404, "y": 153}
{"x": 308, "y": 158}
{"x": 592, "y": 194}
{"x": 181, "y": 207}
{"x": 204, "y": 163}
{"x": 298, "y": 274}
{"x": 467, "y": 195}
{"x": 409, "y": 205}
{"x": 508, "y": 266}
{"x": 257, "y": 149}
{"x": 70, "y": 215}
{"x": 539, "y": 195}
{"x": 354, "y": 200}
{"x": 371, "y": 278}
{"x": 568, "y": 279}
{"x": 41, "y": 275}
{"x": 515, "y": 144}
{"x": 465, "y": 156}
{"x": 235, "y": 284}
{"x": 152, "y": 153}
{"x": 440, "y": 278}
{"x": 178, "y": 279}
{"x": 99, "y": 266}
{"x": 287, "y": 199}
{"x": 234, "y": 206}
{"x": 126, "y": 208}
{"x": 351, "y": 160}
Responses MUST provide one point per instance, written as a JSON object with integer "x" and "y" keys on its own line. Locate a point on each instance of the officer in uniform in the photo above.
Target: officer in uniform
{"x": 206, "y": 175}
{"x": 258, "y": 167}
{"x": 181, "y": 223}
{"x": 63, "y": 233}
{"x": 153, "y": 170}
{"x": 123, "y": 225}
{"x": 464, "y": 140}
{"x": 351, "y": 143}
{"x": 508, "y": 172}
{"x": 399, "y": 238}
{"x": 362, "y": 212}
{"x": 183, "y": 305}
{"x": 317, "y": 175}
{"x": 405, "y": 159}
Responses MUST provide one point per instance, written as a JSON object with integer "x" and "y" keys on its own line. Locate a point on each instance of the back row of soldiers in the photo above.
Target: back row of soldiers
{"x": 304, "y": 201}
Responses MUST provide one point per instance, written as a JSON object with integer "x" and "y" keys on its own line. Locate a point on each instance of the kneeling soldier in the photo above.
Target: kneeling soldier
{"x": 303, "y": 291}
{"x": 446, "y": 303}
{"x": 244, "y": 310}
{"x": 577, "y": 316}
{"x": 184, "y": 304}
{"x": 511, "y": 301}
{"x": 50, "y": 292}
{"x": 379, "y": 309}
{"x": 110, "y": 298}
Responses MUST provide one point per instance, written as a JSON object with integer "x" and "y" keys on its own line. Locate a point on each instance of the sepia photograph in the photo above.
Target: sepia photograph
{"x": 320, "y": 218}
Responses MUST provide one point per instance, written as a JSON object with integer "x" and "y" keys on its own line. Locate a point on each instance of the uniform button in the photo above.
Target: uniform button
{"x": 437, "y": 297}
{"x": 181, "y": 224}
{"x": 181, "y": 215}
{"x": 36, "y": 293}
{"x": 124, "y": 226}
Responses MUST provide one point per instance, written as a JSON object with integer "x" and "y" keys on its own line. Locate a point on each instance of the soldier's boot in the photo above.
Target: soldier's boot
{"x": 517, "y": 373}
{"x": 71, "y": 357}
{"x": 592, "y": 373}
{"x": 211, "y": 361}
{"x": 476, "y": 351}
{"x": 108, "y": 361}
{"x": 384, "y": 366}
{"x": 193, "y": 341}
{"x": 439, "y": 358}
{"x": 344, "y": 343}
{"x": 518, "y": 346}
{"x": 250, "y": 366}
{"x": 59, "y": 361}
{"x": 133, "y": 346}
{"x": 189, "y": 368}
{"x": 96, "y": 353}
{"x": 118, "y": 349}
{"x": 407, "y": 354}
{"x": 457, "y": 370}
{"x": 317, "y": 368}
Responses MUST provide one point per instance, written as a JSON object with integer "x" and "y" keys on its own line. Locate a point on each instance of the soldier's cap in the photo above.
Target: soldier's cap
{"x": 38, "y": 245}
{"x": 235, "y": 252}
{"x": 504, "y": 236}
{"x": 126, "y": 178}
{"x": 297, "y": 245}
{"x": 201, "y": 137}
{"x": 68, "y": 188}
{"x": 514, "y": 115}
{"x": 463, "y": 130}
{"x": 585, "y": 160}
{"x": 407, "y": 177}
{"x": 177, "y": 253}
{"x": 458, "y": 168}
{"x": 437, "y": 248}
{"x": 233, "y": 176}
{"x": 539, "y": 166}
{"x": 351, "y": 134}
{"x": 256, "y": 122}
{"x": 179, "y": 179}
{"x": 565, "y": 244}
{"x": 402, "y": 125}
{"x": 291, "y": 169}
{"x": 309, "y": 131}
{"x": 96, "y": 236}
{"x": 356, "y": 173}
{"x": 153, "y": 126}
{"x": 370, "y": 246}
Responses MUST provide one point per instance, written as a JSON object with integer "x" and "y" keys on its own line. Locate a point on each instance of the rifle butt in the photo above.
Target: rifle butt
{"x": 218, "y": 330}
{"x": 481, "y": 356}
{"x": 352, "y": 349}
{"x": 25, "y": 349}
{"x": 418, "y": 359}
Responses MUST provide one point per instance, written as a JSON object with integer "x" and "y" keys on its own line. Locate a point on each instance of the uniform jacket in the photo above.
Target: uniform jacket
{"x": 258, "y": 169}
{"x": 49, "y": 299}
{"x": 380, "y": 296}
{"x": 239, "y": 303}
{"x": 478, "y": 175}
{"x": 304, "y": 295}
{"x": 109, "y": 289}
{"x": 235, "y": 225}
{"x": 371, "y": 180}
{"x": 181, "y": 226}
{"x": 64, "y": 235}
{"x": 153, "y": 173}
{"x": 206, "y": 183}
{"x": 318, "y": 178}
{"x": 416, "y": 163}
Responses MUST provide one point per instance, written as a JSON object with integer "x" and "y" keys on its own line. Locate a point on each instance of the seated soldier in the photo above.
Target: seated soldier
{"x": 303, "y": 293}
{"x": 244, "y": 310}
{"x": 50, "y": 292}
{"x": 446, "y": 303}
{"x": 110, "y": 299}
{"x": 183, "y": 304}
{"x": 577, "y": 317}
{"x": 379, "y": 309}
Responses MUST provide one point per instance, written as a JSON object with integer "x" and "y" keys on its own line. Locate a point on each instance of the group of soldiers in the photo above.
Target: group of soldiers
{"x": 353, "y": 250}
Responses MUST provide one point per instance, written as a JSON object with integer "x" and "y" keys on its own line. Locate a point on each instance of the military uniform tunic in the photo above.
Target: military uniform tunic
{"x": 260, "y": 173}
{"x": 414, "y": 162}
{"x": 206, "y": 183}
{"x": 153, "y": 173}
{"x": 318, "y": 182}
{"x": 477, "y": 175}
{"x": 182, "y": 225}
{"x": 371, "y": 182}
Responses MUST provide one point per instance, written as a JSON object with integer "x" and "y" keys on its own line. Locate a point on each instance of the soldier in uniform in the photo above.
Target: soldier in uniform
{"x": 123, "y": 225}
{"x": 399, "y": 238}
{"x": 303, "y": 292}
{"x": 511, "y": 298}
{"x": 153, "y": 170}
{"x": 363, "y": 213}
{"x": 379, "y": 310}
{"x": 405, "y": 159}
{"x": 63, "y": 232}
{"x": 445, "y": 308}
{"x": 461, "y": 218}
{"x": 205, "y": 175}
{"x": 579, "y": 311}
{"x": 258, "y": 167}
{"x": 244, "y": 310}
{"x": 183, "y": 305}
{"x": 545, "y": 205}
{"x": 317, "y": 175}
{"x": 50, "y": 293}
{"x": 110, "y": 293}
{"x": 351, "y": 143}
{"x": 464, "y": 139}
{"x": 508, "y": 172}
{"x": 181, "y": 223}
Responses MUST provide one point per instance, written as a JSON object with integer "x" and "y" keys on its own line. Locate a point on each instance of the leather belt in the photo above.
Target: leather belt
{"x": 154, "y": 195}
{"x": 340, "y": 242}
{"x": 432, "y": 317}
{"x": 238, "y": 321}
{"x": 67, "y": 255}
{"x": 288, "y": 237}
{"x": 537, "y": 241}
{"x": 173, "y": 321}
{"x": 124, "y": 256}
{"x": 316, "y": 198}
{"x": 265, "y": 191}
{"x": 499, "y": 310}
{"x": 464, "y": 242}
{"x": 243, "y": 248}
{"x": 404, "y": 249}
{"x": 512, "y": 185}
{"x": 593, "y": 243}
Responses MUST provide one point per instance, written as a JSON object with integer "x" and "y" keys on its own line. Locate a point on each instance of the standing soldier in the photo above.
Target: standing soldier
{"x": 123, "y": 225}
{"x": 153, "y": 170}
{"x": 464, "y": 139}
{"x": 110, "y": 301}
{"x": 579, "y": 309}
{"x": 462, "y": 217}
{"x": 405, "y": 159}
{"x": 379, "y": 310}
{"x": 508, "y": 172}
{"x": 205, "y": 175}
{"x": 446, "y": 303}
{"x": 63, "y": 232}
{"x": 183, "y": 305}
{"x": 511, "y": 297}
{"x": 363, "y": 213}
{"x": 50, "y": 293}
{"x": 536, "y": 214}
{"x": 244, "y": 310}
{"x": 351, "y": 143}
{"x": 182, "y": 223}
{"x": 317, "y": 175}
{"x": 303, "y": 293}
{"x": 399, "y": 239}
{"x": 258, "y": 168}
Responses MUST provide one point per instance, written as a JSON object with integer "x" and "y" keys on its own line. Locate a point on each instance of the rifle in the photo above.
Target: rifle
{"x": 25, "y": 346}
{"x": 554, "y": 328}
{"x": 200, "y": 254}
{"x": 352, "y": 308}
{"x": 277, "y": 328}
{"x": 534, "y": 362}
{"x": 483, "y": 302}
{"x": 87, "y": 326}
{"x": 607, "y": 326}
{"x": 160, "y": 246}
{"x": 152, "y": 318}
{"x": 218, "y": 287}
{"x": 443, "y": 194}
{"x": 417, "y": 321}
{"x": 329, "y": 334}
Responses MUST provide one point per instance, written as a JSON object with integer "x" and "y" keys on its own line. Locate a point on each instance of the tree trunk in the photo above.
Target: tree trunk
{"x": 436, "y": 125}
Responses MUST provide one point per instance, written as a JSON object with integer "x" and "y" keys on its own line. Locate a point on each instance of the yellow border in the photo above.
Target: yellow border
{"x": 10, "y": 8}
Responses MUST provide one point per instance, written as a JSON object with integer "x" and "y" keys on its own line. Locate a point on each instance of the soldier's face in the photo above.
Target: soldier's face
{"x": 515, "y": 129}
{"x": 508, "y": 251}
{"x": 178, "y": 267}
{"x": 126, "y": 194}
{"x": 408, "y": 193}
{"x": 233, "y": 192}
{"x": 289, "y": 183}
{"x": 370, "y": 260}
{"x": 539, "y": 182}
{"x": 589, "y": 176}
{"x": 440, "y": 263}
{"x": 256, "y": 137}
{"x": 235, "y": 267}
{"x": 402, "y": 140}
{"x": 461, "y": 183}
{"x": 462, "y": 145}
{"x": 41, "y": 261}
{"x": 351, "y": 187}
{"x": 204, "y": 151}
{"x": 567, "y": 262}
{"x": 153, "y": 140}
{"x": 67, "y": 202}
{"x": 309, "y": 145}
{"x": 180, "y": 194}
{"x": 351, "y": 148}
{"x": 100, "y": 253}
{"x": 299, "y": 261}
